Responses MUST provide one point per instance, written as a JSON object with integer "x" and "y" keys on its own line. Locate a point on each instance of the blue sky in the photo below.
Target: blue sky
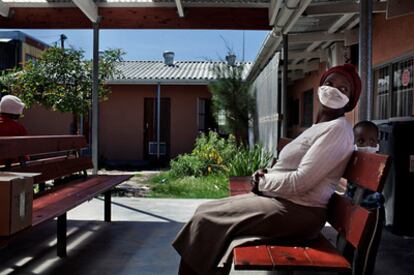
{"x": 150, "y": 44}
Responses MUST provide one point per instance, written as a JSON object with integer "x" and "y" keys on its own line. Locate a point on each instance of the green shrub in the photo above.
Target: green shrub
{"x": 214, "y": 149}
{"x": 188, "y": 165}
{"x": 213, "y": 154}
{"x": 245, "y": 161}
{"x": 210, "y": 155}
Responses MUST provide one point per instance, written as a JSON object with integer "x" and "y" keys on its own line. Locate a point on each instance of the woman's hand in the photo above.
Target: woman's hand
{"x": 256, "y": 178}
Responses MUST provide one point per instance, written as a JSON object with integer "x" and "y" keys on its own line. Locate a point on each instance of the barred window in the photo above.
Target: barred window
{"x": 402, "y": 96}
{"x": 393, "y": 90}
{"x": 382, "y": 93}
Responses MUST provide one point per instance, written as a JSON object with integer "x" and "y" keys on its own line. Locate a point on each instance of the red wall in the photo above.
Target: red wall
{"x": 40, "y": 121}
{"x": 392, "y": 38}
{"x": 121, "y": 127}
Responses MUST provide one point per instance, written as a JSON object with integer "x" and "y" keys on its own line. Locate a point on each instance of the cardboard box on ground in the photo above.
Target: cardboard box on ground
{"x": 16, "y": 202}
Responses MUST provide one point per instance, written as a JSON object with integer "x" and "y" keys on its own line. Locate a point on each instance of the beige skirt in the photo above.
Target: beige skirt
{"x": 224, "y": 223}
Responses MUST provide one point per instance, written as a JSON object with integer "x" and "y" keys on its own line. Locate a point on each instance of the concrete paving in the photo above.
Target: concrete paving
{"x": 138, "y": 242}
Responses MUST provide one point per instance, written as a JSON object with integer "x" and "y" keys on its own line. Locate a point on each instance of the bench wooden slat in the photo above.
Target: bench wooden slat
{"x": 324, "y": 256}
{"x": 14, "y": 147}
{"x": 252, "y": 257}
{"x": 61, "y": 200}
{"x": 367, "y": 170}
{"x": 319, "y": 255}
{"x": 55, "y": 169}
{"x": 286, "y": 256}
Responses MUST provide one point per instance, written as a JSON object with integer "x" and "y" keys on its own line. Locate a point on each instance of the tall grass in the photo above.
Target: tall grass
{"x": 211, "y": 186}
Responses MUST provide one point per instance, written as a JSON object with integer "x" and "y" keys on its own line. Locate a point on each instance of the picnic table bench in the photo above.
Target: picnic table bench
{"x": 357, "y": 227}
{"x": 58, "y": 159}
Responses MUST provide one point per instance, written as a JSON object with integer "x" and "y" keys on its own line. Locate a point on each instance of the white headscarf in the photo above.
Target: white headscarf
{"x": 11, "y": 104}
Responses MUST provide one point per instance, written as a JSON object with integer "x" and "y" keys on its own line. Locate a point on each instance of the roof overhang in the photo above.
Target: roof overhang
{"x": 311, "y": 28}
{"x": 146, "y": 14}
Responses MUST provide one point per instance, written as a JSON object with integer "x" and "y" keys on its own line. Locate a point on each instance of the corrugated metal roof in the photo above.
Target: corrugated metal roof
{"x": 182, "y": 72}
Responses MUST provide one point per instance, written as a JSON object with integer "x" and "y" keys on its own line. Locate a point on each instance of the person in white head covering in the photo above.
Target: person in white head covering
{"x": 11, "y": 108}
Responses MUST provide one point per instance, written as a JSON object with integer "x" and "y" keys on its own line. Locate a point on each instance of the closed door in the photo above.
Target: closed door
{"x": 150, "y": 129}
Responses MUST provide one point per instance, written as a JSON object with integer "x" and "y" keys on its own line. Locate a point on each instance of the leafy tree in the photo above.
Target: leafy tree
{"x": 232, "y": 97}
{"x": 61, "y": 79}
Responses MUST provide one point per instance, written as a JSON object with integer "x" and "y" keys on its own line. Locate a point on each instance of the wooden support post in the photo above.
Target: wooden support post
{"x": 107, "y": 195}
{"x": 61, "y": 236}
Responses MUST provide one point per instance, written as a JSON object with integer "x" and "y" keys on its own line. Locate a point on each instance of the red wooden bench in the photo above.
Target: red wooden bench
{"x": 58, "y": 159}
{"x": 356, "y": 226}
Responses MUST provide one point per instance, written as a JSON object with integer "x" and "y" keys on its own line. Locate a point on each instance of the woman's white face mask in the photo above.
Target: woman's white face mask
{"x": 331, "y": 97}
{"x": 367, "y": 149}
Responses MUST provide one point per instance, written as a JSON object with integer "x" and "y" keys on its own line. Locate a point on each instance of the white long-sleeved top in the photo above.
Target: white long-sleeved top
{"x": 309, "y": 167}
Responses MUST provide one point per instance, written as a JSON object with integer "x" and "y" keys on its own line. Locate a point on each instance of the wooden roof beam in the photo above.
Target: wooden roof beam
{"x": 312, "y": 37}
{"x": 89, "y": 8}
{"x": 303, "y": 54}
{"x": 340, "y": 8}
{"x": 305, "y": 67}
{"x": 4, "y": 9}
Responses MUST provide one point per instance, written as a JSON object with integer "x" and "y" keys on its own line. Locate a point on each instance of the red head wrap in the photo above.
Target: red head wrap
{"x": 349, "y": 71}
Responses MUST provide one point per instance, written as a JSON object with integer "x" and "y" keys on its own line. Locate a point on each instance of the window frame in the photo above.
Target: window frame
{"x": 390, "y": 65}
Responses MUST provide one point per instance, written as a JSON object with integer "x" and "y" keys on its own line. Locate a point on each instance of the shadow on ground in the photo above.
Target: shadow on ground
{"x": 138, "y": 241}
{"x": 95, "y": 248}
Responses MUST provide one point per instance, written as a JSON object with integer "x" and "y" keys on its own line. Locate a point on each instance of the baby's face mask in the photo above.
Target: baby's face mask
{"x": 367, "y": 149}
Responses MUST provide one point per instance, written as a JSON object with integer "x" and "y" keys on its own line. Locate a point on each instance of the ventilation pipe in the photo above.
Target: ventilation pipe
{"x": 168, "y": 58}
{"x": 231, "y": 59}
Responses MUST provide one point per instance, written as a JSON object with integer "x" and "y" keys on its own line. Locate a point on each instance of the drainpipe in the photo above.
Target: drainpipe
{"x": 365, "y": 59}
{"x": 158, "y": 118}
{"x": 95, "y": 97}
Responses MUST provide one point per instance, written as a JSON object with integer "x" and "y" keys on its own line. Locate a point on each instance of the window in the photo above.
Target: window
{"x": 393, "y": 90}
{"x": 307, "y": 114}
{"x": 293, "y": 111}
{"x": 201, "y": 117}
{"x": 382, "y": 92}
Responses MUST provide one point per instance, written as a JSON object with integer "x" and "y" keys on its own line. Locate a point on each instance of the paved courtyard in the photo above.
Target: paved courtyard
{"x": 138, "y": 242}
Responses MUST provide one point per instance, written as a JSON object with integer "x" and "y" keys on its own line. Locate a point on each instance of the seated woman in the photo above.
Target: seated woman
{"x": 289, "y": 201}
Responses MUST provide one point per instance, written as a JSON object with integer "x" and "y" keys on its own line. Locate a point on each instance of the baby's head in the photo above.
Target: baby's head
{"x": 366, "y": 136}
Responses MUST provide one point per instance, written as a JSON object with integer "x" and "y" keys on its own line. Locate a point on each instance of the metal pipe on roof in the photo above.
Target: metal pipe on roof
{"x": 4, "y": 9}
{"x": 285, "y": 13}
{"x": 274, "y": 11}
